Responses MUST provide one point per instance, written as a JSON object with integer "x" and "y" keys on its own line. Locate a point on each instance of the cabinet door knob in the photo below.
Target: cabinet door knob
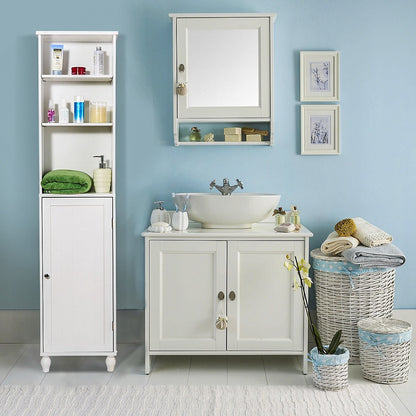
{"x": 232, "y": 295}
{"x": 221, "y": 295}
{"x": 46, "y": 276}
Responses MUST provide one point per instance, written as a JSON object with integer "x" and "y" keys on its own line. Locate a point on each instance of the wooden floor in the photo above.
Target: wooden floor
{"x": 20, "y": 364}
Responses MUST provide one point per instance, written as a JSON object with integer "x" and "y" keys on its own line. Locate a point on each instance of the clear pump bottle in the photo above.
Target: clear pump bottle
{"x": 98, "y": 61}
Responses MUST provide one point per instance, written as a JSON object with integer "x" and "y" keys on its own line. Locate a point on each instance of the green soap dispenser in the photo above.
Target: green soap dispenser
{"x": 102, "y": 177}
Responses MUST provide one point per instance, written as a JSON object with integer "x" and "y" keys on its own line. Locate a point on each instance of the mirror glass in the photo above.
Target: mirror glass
{"x": 223, "y": 67}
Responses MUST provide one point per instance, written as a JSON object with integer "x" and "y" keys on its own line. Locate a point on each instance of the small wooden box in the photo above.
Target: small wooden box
{"x": 232, "y": 137}
{"x": 232, "y": 130}
{"x": 253, "y": 137}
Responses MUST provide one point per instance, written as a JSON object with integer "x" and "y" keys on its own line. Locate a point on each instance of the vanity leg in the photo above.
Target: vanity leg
{"x": 305, "y": 364}
{"x": 45, "y": 362}
{"x": 110, "y": 362}
{"x": 147, "y": 363}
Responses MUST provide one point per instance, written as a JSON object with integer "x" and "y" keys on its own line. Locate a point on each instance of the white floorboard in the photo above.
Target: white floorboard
{"x": 208, "y": 370}
{"x": 20, "y": 364}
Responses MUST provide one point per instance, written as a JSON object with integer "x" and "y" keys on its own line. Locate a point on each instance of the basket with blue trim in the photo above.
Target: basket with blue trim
{"x": 346, "y": 293}
{"x": 385, "y": 349}
{"x": 330, "y": 372}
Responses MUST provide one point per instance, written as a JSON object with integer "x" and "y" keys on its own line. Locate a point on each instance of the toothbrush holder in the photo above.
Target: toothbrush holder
{"x": 180, "y": 221}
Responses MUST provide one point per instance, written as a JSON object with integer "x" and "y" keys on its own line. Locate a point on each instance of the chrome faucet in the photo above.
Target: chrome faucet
{"x": 226, "y": 188}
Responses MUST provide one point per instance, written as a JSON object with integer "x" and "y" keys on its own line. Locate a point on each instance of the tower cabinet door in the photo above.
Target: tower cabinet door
{"x": 76, "y": 283}
{"x": 266, "y": 313}
{"x": 185, "y": 279}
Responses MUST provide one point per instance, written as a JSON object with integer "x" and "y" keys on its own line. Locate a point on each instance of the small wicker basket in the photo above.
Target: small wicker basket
{"x": 345, "y": 294}
{"x": 330, "y": 372}
{"x": 385, "y": 349}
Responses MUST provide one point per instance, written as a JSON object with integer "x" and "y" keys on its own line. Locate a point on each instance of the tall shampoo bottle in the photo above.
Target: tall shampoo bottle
{"x": 102, "y": 177}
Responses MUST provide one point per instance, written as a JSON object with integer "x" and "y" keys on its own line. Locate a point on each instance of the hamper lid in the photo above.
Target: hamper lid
{"x": 317, "y": 254}
{"x": 384, "y": 325}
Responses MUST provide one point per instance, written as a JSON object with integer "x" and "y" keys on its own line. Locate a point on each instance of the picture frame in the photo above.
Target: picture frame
{"x": 319, "y": 76}
{"x": 320, "y": 129}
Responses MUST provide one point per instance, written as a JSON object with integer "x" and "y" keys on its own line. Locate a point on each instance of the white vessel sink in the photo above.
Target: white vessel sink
{"x": 239, "y": 210}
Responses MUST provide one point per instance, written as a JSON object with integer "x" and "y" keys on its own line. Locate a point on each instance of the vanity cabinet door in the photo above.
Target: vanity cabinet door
{"x": 77, "y": 272}
{"x": 225, "y": 64}
{"x": 266, "y": 313}
{"x": 185, "y": 279}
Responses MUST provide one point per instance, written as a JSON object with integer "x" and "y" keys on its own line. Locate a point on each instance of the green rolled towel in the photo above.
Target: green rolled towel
{"x": 65, "y": 181}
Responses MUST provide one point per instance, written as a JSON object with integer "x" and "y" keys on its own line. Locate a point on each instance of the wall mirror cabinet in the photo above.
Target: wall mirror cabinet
{"x": 223, "y": 78}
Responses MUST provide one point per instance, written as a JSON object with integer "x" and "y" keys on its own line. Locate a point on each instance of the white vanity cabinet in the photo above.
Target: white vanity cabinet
{"x": 223, "y": 66}
{"x": 77, "y": 231}
{"x": 194, "y": 277}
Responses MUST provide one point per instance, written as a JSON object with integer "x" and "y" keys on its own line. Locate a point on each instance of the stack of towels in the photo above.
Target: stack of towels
{"x": 367, "y": 246}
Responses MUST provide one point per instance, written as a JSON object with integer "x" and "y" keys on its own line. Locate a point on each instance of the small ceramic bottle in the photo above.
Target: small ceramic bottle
{"x": 195, "y": 136}
{"x": 295, "y": 218}
{"x": 280, "y": 216}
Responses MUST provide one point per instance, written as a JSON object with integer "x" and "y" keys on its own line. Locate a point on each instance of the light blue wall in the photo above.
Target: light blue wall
{"x": 374, "y": 177}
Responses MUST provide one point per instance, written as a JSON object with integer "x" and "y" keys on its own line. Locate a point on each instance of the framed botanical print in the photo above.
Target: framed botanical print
{"x": 319, "y": 76}
{"x": 320, "y": 129}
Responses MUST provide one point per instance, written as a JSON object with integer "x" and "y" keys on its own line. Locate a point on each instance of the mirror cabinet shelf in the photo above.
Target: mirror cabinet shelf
{"x": 215, "y": 133}
{"x": 223, "y": 78}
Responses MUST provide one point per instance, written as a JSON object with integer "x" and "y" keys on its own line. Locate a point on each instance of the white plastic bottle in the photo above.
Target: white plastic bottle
{"x": 63, "y": 112}
{"x": 98, "y": 61}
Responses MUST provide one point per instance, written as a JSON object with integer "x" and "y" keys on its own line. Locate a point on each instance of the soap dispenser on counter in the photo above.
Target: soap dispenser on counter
{"x": 159, "y": 214}
{"x": 102, "y": 177}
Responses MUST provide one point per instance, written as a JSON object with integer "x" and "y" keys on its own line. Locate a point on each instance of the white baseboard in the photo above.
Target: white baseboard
{"x": 22, "y": 326}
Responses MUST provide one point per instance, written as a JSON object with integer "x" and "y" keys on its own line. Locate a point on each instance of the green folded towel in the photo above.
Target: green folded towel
{"x": 65, "y": 181}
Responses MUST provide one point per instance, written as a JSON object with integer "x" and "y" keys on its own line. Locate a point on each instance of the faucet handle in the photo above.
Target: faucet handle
{"x": 239, "y": 183}
{"x": 212, "y": 184}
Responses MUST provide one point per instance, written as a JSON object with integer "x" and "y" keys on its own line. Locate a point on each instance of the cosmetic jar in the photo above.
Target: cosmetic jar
{"x": 78, "y": 70}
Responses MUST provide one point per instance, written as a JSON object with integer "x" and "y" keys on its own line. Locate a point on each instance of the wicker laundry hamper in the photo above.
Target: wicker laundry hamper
{"x": 346, "y": 293}
{"x": 385, "y": 349}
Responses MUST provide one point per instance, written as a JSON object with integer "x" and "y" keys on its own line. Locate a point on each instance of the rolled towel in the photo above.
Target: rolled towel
{"x": 65, "y": 181}
{"x": 369, "y": 235}
{"x": 387, "y": 255}
{"x": 334, "y": 244}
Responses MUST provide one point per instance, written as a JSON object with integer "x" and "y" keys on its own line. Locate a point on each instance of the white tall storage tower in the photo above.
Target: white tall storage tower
{"x": 77, "y": 232}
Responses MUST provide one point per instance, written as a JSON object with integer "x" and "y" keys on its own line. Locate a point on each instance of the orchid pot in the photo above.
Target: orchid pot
{"x": 330, "y": 371}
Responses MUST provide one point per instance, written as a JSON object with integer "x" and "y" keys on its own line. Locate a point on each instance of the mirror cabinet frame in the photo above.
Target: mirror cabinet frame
{"x": 259, "y": 117}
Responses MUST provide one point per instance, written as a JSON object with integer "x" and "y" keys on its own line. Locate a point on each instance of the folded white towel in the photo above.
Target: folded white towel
{"x": 334, "y": 244}
{"x": 369, "y": 235}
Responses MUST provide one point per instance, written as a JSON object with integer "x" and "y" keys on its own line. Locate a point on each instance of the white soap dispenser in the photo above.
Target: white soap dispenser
{"x": 102, "y": 177}
{"x": 159, "y": 214}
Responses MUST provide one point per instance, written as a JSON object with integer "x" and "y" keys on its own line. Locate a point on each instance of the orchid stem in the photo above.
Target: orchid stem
{"x": 304, "y": 298}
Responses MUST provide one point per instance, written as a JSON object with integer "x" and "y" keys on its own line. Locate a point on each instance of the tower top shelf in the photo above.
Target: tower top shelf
{"x": 77, "y": 36}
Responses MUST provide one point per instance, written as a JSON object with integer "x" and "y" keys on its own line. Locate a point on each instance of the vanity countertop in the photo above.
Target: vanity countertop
{"x": 258, "y": 231}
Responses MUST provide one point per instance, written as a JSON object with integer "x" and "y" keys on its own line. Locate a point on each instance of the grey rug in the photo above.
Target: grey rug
{"x": 362, "y": 400}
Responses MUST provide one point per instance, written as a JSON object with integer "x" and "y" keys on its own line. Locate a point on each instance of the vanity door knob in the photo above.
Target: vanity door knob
{"x": 221, "y": 295}
{"x": 46, "y": 276}
{"x": 232, "y": 295}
